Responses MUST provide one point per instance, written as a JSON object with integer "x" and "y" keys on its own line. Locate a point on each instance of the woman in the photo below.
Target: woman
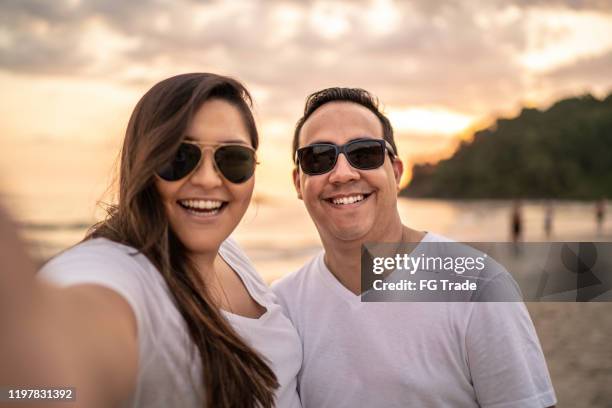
{"x": 170, "y": 310}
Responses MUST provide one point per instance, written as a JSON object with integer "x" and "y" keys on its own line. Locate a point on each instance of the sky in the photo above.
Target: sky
{"x": 71, "y": 71}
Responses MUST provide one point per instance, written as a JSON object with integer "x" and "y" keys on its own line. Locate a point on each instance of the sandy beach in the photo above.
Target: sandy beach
{"x": 576, "y": 339}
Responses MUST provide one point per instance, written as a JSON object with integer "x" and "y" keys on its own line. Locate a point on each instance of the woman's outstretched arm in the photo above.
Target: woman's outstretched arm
{"x": 83, "y": 337}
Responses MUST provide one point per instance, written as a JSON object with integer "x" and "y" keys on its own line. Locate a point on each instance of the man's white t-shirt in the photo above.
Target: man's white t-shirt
{"x": 411, "y": 354}
{"x": 169, "y": 373}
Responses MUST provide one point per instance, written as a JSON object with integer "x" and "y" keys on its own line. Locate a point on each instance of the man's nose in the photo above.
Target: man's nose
{"x": 343, "y": 172}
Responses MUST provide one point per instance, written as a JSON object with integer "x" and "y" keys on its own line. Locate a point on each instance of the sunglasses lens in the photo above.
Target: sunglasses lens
{"x": 237, "y": 163}
{"x": 186, "y": 159}
{"x": 317, "y": 159}
{"x": 365, "y": 154}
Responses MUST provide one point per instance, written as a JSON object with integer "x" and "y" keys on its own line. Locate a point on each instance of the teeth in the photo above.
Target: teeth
{"x": 202, "y": 204}
{"x": 348, "y": 200}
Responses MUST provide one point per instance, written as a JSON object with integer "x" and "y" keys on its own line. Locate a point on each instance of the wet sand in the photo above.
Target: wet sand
{"x": 577, "y": 342}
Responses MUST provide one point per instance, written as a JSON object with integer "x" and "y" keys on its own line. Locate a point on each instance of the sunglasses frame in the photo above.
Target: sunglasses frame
{"x": 214, "y": 147}
{"x": 342, "y": 150}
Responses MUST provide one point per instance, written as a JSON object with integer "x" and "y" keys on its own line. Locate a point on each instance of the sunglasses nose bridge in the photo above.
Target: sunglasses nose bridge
{"x": 206, "y": 173}
{"x": 343, "y": 171}
{"x": 343, "y": 151}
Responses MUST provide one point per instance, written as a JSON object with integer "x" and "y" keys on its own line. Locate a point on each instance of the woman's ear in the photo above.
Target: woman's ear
{"x": 296, "y": 182}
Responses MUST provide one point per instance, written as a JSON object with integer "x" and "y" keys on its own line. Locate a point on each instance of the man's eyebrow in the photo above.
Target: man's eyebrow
{"x": 351, "y": 140}
{"x": 322, "y": 141}
{"x": 363, "y": 137}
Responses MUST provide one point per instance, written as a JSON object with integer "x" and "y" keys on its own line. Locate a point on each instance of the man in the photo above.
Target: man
{"x": 388, "y": 354}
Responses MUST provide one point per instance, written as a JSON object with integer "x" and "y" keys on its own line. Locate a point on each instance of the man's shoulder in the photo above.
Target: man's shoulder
{"x": 298, "y": 280}
{"x": 495, "y": 282}
{"x": 433, "y": 237}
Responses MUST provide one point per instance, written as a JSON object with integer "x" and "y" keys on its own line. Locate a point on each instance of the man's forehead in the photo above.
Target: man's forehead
{"x": 340, "y": 119}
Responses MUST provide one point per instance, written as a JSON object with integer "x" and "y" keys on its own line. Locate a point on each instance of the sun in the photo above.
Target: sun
{"x": 429, "y": 121}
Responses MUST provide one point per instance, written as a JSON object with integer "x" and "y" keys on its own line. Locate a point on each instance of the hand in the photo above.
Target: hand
{"x": 32, "y": 345}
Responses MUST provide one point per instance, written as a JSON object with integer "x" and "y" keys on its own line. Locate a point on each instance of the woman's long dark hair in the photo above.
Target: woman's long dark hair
{"x": 234, "y": 375}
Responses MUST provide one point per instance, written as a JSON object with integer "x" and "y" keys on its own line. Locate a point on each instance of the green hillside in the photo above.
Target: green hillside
{"x": 563, "y": 152}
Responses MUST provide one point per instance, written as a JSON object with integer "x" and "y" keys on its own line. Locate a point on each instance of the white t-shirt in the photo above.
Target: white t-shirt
{"x": 411, "y": 354}
{"x": 169, "y": 374}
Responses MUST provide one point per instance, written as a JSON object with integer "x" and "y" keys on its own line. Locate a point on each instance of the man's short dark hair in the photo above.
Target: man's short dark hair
{"x": 355, "y": 95}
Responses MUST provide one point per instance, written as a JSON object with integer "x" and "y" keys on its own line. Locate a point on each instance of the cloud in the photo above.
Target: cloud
{"x": 464, "y": 57}
{"x": 582, "y": 5}
{"x": 596, "y": 69}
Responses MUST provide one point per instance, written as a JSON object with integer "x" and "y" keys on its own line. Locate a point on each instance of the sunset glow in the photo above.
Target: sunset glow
{"x": 429, "y": 121}
{"x": 74, "y": 70}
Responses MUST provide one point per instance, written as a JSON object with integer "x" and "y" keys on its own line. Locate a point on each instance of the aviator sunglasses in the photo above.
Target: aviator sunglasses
{"x": 235, "y": 162}
{"x": 362, "y": 154}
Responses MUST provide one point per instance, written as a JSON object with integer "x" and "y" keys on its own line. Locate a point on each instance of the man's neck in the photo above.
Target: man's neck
{"x": 343, "y": 258}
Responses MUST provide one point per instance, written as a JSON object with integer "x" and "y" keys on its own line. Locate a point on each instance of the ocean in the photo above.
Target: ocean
{"x": 279, "y": 237}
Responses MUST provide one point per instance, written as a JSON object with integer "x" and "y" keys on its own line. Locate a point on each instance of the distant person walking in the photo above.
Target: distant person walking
{"x": 549, "y": 214}
{"x": 600, "y": 215}
{"x": 516, "y": 222}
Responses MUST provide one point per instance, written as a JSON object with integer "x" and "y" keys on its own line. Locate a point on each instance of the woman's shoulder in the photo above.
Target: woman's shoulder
{"x": 235, "y": 256}
{"x": 100, "y": 245}
{"x": 233, "y": 253}
{"x": 97, "y": 257}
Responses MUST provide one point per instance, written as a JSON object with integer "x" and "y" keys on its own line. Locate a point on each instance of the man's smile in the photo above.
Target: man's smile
{"x": 347, "y": 200}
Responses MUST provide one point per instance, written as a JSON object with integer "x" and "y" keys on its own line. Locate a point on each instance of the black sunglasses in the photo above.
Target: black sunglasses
{"x": 362, "y": 154}
{"x": 235, "y": 162}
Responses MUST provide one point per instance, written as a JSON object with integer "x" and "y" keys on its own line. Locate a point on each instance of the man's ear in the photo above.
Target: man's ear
{"x": 296, "y": 182}
{"x": 398, "y": 170}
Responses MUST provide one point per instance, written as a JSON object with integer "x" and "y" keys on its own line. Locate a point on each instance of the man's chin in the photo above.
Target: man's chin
{"x": 349, "y": 234}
